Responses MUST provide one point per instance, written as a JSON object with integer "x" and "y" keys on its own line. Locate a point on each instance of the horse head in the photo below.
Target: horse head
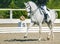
{"x": 30, "y": 7}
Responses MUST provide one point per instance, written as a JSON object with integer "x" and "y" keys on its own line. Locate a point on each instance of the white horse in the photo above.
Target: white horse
{"x": 37, "y": 17}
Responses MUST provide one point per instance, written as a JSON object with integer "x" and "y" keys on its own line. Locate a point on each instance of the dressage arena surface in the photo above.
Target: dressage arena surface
{"x": 18, "y": 38}
{"x": 32, "y": 39}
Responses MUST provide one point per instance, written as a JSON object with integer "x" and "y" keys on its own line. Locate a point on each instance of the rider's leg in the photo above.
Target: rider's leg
{"x": 47, "y": 15}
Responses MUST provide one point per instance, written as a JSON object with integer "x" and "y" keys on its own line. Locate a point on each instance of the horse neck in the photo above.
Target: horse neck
{"x": 33, "y": 6}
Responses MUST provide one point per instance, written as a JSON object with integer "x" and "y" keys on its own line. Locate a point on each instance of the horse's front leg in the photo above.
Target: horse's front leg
{"x": 28, "y": 29}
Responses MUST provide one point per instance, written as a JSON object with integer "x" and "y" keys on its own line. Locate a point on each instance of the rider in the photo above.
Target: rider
{"x": 42, "y": 4}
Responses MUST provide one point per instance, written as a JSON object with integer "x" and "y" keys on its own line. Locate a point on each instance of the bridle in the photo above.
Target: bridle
{"x": 32, "y": 12}
{"x": 29, "y": 8}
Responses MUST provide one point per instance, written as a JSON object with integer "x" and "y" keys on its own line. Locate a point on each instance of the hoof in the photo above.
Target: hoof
{"x": 48, "y": 38}
{"x": 53, "y": 37}
{"x": 39, "y": 39}
{"x": 25, "y": 36}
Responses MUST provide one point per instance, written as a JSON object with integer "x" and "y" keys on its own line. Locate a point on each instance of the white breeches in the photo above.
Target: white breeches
{"x": 45, "y": 9}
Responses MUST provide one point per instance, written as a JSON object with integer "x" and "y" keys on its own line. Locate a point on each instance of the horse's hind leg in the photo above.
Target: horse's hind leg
{"x": 25, "y": 36}
{"x": 52, "y": 32}
{"x": 50, "y": 25}
{"x": 40, "y": 31}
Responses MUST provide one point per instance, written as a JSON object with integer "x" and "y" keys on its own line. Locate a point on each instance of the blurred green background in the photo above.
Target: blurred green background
{"x": 19, "y": 4}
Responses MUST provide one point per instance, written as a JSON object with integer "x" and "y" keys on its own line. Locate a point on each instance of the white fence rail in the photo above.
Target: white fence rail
{"x": 11, "y": 11}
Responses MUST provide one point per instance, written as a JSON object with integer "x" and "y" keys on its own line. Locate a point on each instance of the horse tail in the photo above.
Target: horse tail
{"x": 56, "y": 14}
